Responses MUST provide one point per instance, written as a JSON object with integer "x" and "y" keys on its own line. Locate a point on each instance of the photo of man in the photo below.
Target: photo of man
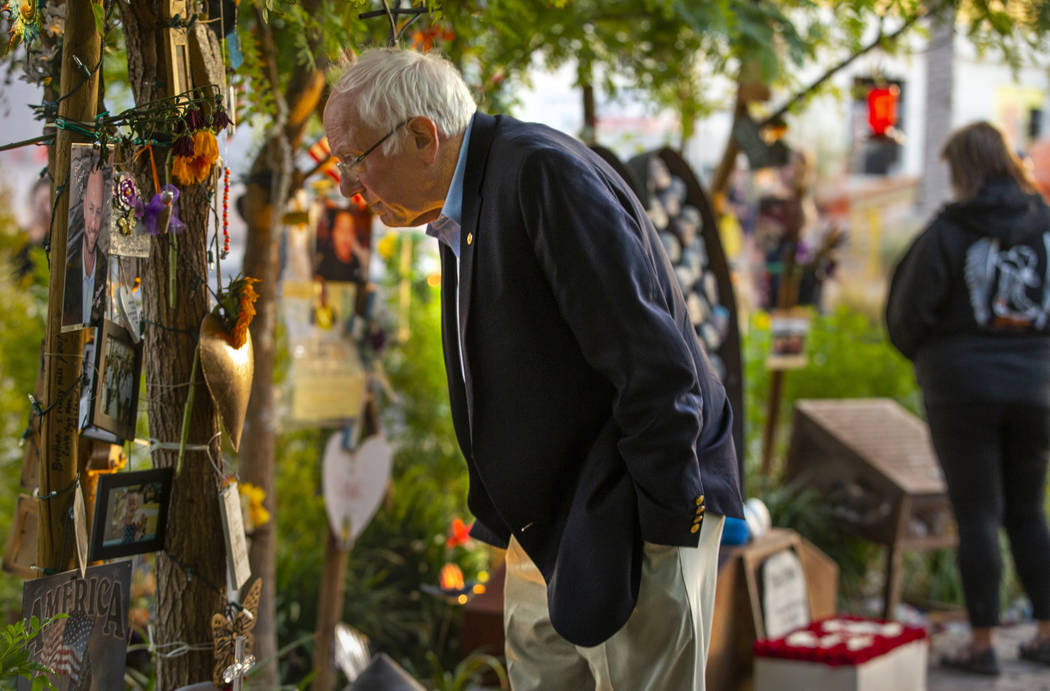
{"x": 83, "y": 299}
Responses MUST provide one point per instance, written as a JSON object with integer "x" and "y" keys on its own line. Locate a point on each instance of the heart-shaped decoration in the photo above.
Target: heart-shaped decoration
{"x": 354, "y": 484}
{"x": 228, "y": 373}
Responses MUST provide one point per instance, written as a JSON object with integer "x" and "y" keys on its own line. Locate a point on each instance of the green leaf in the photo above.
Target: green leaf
{"x": 100, "y": 16}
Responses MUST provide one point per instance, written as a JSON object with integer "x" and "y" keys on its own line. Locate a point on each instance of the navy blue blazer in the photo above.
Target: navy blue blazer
{"x": 590, "y": 417}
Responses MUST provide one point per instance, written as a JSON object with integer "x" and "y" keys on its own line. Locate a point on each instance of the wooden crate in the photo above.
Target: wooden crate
{"x": 874, "y": 463}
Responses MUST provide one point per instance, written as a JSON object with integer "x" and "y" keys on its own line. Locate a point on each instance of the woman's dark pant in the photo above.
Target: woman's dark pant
{"x": 994, "y": 457}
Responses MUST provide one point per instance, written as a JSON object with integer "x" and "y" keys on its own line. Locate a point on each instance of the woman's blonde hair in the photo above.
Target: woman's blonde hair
{"x": 978, "y": 153}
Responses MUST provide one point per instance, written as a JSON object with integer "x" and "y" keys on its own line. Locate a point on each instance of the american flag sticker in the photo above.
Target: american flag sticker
{"x": 64, "y": 644}
{"x": 86, "y": 649}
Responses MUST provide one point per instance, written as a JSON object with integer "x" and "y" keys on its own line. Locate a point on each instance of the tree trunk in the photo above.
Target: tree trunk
{"x": 191, "y": 574}
{"x": 720, "y": 178}
{"x": 272, "y": 176}
{"x": 934, "y": 185}
{"x": 191, "y": 571}
{"x": 589, "y": 135}
{"x": 257, "y": 442}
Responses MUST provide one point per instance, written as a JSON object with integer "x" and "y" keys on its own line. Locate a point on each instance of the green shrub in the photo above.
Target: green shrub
{"x": 15, "y": 662}
{"x": 24, "y": 299}
{"x": 849, "y": 357}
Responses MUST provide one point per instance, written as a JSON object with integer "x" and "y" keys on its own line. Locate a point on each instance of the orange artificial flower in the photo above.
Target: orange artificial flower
{"x": 195, "y": 168}
{"x": 245, "y": 312}
{"x": 182, "y": 169}
{"x": 459, "y": 533}
{"x": 236, "y": 309}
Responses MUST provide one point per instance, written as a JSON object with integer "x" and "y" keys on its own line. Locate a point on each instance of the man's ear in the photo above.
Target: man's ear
{"x": 424, "y": 134}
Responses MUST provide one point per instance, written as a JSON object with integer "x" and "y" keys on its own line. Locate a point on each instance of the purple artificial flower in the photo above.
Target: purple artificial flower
{"x": 162, "y": 212}
{"x": 128, "y": 195}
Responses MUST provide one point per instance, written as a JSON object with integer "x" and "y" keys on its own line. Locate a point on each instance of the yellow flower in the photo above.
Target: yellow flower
{"x": 194, "y": 169}
{"x": 257, "y": 513}
{"x": 182, "y": 169}
{"x": 386, "y": 245}
{"x": 205, "y": 147}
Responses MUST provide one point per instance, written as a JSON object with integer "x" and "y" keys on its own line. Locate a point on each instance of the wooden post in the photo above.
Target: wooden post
{"x": 787, "y": 297}
{"x": 62, "y": 352}
{"x": 329, "y": 612}
{"x": 891, "y": 589}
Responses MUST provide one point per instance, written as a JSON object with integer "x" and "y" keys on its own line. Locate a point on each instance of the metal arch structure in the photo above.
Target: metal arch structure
{"x": 636, "y": 173}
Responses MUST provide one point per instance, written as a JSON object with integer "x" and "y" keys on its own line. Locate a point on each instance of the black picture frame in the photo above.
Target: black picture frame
{"x": 115, "y": 390}
{"x": 131, "y": 513}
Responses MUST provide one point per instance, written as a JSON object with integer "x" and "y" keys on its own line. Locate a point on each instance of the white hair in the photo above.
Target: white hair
{"x": 392, "y": 85}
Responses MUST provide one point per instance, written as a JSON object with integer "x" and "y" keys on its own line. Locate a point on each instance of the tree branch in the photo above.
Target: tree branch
{"x": 728, "y": 161}
{"x": 878, "y": 40}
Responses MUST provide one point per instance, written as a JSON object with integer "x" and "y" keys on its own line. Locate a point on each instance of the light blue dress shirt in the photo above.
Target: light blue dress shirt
{"x": 446, "y": 226}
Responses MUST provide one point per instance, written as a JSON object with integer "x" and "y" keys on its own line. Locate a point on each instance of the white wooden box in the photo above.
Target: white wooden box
{"x": 844, "y": 654}
{"x": 901, "y": 669}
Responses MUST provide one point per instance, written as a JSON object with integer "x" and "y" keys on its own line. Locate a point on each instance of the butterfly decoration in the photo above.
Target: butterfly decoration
{"x": 225, "y": 631}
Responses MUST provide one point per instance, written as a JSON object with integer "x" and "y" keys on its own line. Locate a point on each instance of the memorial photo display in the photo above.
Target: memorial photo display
{"x": 131, "y": 513}
{"x": 115, "y": 386}
{"x": 87, "y": 238}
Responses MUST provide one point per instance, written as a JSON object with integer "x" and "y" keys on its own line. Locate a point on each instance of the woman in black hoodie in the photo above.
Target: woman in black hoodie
{"x": 969, "y": 304}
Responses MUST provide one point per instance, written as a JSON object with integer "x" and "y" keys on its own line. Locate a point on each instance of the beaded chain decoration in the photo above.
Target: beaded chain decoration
{"x": 225, "y": 213}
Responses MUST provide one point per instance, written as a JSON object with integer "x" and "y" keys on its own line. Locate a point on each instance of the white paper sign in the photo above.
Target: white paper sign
{"x": 354, "y": 484}
{"x": 785, "y": 604}
{"x": 238, "y": 568}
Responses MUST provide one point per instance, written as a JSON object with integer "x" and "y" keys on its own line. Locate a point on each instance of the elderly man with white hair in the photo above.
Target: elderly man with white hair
{"x": 596, "y": 436}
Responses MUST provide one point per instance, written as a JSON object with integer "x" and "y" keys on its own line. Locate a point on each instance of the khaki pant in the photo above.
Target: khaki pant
{"x": 663, "y": 645}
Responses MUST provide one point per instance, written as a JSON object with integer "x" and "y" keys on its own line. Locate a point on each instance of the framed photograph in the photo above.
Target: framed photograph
{"x": 131, "y": 513}
{"x": 87, "y": 238}
{"x": 177, "y": 50}
{"x": 788, "y": 329}
{"x": 115, "y": 392}
{"x": 124, "y": 295}
{"x": 343, "y": 245}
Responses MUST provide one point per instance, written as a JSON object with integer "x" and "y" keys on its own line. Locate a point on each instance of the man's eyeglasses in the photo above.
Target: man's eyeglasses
{"x": 346, "y": 168}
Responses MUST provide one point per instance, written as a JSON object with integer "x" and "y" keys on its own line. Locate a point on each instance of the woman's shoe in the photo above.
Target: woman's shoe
{"x": 975, "y": 662}
{"x": 1035, "y": 650}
